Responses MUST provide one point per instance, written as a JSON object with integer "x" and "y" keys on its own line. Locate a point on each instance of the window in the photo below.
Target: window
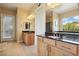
{"x": 7, "y": 26}
{"x": 70, "y": 24}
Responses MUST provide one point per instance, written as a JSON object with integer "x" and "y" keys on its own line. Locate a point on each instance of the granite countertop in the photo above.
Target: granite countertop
{"x": 59, "y": 39}
{"x": 28, "y": 31}
{"x": 66, "y": 33}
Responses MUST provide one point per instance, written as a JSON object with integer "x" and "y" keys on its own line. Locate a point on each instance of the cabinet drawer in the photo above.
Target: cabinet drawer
{"x": 60, "y": 52}
{"x": 40, "y": 43}
{"x": 67, "y": 47}
{"x": 49, "y": 41}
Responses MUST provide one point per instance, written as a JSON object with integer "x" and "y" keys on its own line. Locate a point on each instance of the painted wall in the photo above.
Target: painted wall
{"x": 21, "y": 19}
{"x": 31, "y": 20}
{"x": 70, "y": 13}
{"x": 40, "y": 22}
{"x": 7, "y": 11}
{"x": 32, "y": 24}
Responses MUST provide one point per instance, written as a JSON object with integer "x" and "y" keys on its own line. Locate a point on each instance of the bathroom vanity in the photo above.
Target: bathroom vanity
{"x": 67, "y": 45}
{"x": 28, "y": 37}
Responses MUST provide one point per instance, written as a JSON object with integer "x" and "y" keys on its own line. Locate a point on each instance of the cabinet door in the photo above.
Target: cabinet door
{"x": 78, "y": 50}
{"x": 72, "y": 48}
{"x": 25, "y": 38}
{"x": 49, "y": 41}
{"x": 42, "y": 47}
{"x": 45, "y": 49}
{"x": 51, "y": 51}
{"x": 60, "y": 52}
{"x": 31, "y": 38}
{"x": 40, "y": 43}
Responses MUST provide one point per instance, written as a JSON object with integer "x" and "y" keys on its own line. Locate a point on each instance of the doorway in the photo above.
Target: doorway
{"x": 7, "y": 28}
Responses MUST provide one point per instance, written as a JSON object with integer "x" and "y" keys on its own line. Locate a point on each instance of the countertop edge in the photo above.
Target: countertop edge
{"x": 29, "y": 31}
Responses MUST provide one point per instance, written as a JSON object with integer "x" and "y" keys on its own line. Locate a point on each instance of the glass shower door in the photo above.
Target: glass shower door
{"x": 8, "y": 28}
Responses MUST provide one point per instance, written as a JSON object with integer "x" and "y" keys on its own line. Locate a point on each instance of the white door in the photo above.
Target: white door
{"x": 7, "y": 28}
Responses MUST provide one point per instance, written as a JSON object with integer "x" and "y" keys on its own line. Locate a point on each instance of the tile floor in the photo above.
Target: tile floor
{"x": 17, "y": 49}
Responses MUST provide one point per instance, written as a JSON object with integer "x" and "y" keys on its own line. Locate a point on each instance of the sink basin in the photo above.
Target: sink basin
{"x": 77, "y": 42}
{"x": 54, "y": 37}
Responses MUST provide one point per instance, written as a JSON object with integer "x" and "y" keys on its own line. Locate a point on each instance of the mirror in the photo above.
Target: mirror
{"x": 27, "y": 25}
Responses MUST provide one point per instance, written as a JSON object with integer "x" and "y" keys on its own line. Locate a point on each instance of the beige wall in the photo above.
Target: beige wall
{"x": 22, "y": 15}
{"x": 32, "y": 24}
{"x": 21, "y": 19}
{"x": 7, "y": 11}
{"x": 70, "y": 13}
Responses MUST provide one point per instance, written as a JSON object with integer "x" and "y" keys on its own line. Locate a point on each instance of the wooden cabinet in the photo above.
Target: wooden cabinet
{"x": 60, "y": 52}
{"x": 67, "y": 46}
{"x": 78, "y": 50}
{"x": 28, "y": 38}
{"x": 45, "y": 49}
{"x": 51, "y": 51}
{"x": 42, "y": 47}
{"x": 50, "y": 41}
{"x": 54, "y": 51}
{"x": 50, "y": 47}
{"x": 31, "y": 37}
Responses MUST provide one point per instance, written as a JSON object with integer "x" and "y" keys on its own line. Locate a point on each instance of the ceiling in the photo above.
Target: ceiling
{"x": 13, "y": 6}
{"x": 64, "y": 7}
